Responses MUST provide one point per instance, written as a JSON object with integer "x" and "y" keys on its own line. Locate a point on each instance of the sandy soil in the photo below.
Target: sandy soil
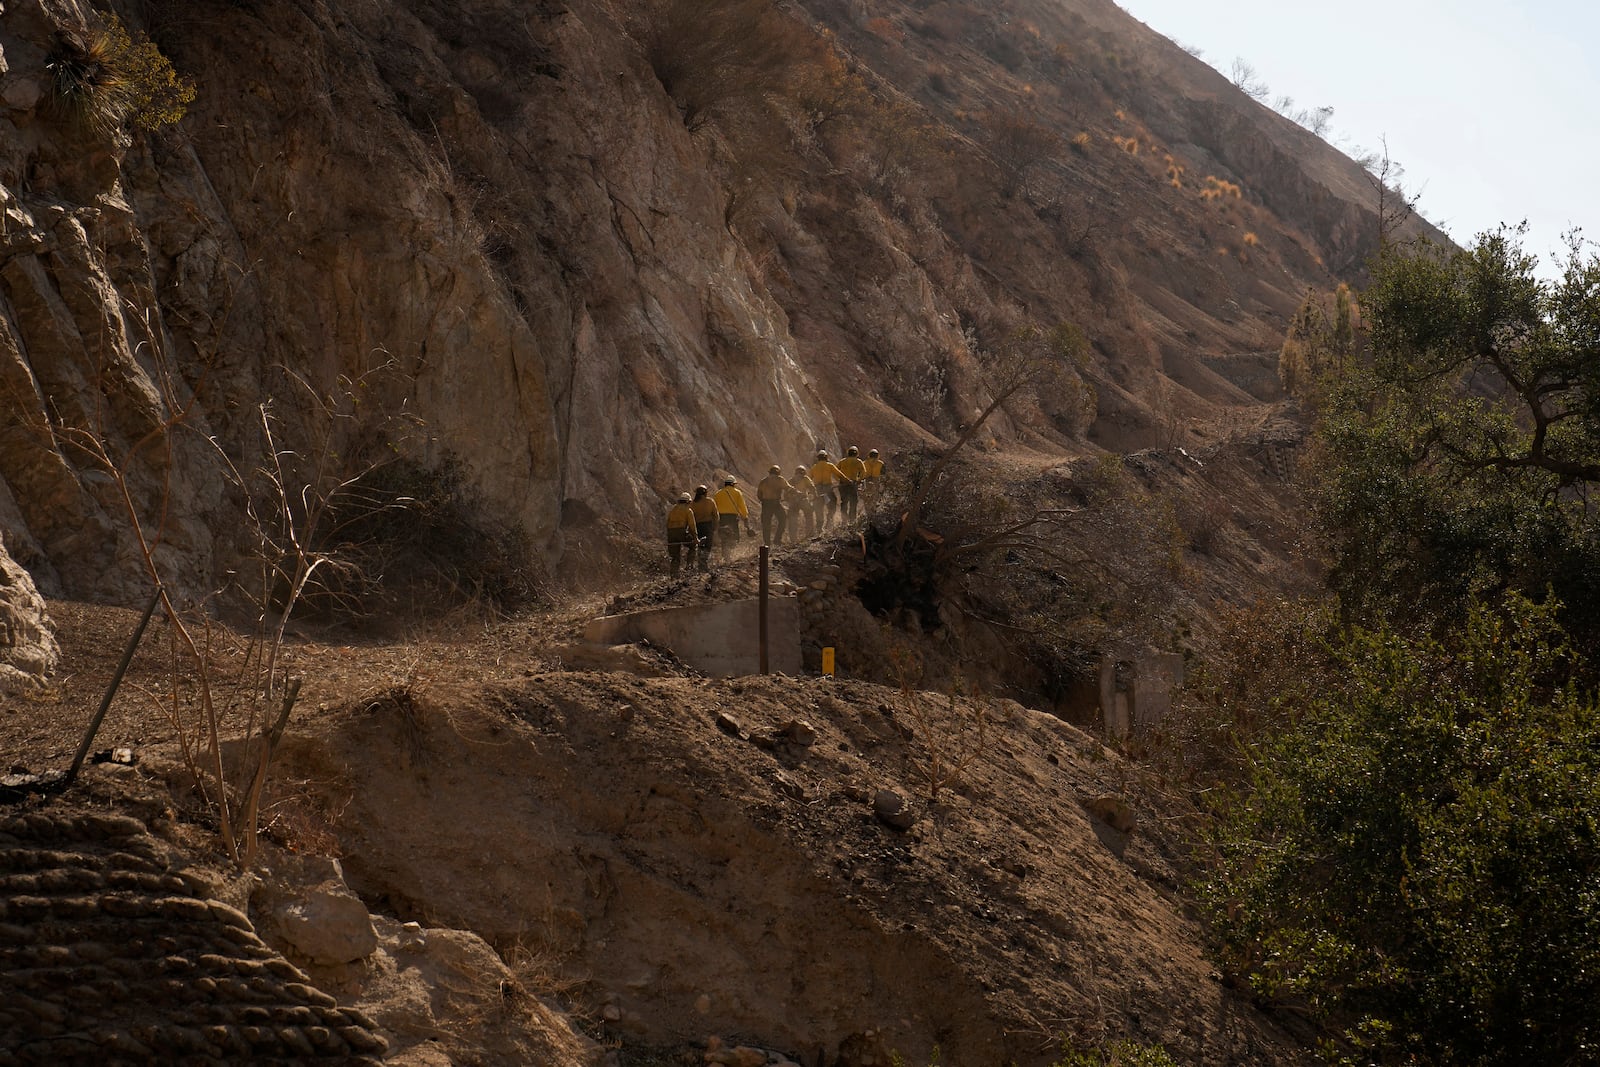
{"x": 680, "y": 858}
{"x": 832, "y": 872}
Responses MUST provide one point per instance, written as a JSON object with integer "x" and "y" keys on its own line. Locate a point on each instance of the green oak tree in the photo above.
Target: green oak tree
{"x": 1460, "y": 458}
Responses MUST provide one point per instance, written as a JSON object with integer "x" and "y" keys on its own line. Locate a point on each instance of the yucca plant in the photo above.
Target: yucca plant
{"x": 86, "y": 88}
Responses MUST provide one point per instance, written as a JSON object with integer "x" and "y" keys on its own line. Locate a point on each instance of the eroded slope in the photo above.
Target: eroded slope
{"x": 707, "y": 858}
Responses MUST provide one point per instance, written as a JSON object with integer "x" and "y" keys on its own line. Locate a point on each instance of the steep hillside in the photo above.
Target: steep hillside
{"x": 447, "y": 291}
{"x": 835, "y": 871}
{"x": 591, "y": 290}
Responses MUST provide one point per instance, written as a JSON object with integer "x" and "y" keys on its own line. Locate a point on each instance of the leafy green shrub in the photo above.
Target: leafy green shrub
{"x": 154, "y": 95}
{"x": 1418, "y": 854}
{"x": 1123, "y": 1053}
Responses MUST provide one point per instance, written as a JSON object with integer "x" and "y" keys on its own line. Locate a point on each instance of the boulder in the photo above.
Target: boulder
{"x": 1114, "y": 811}
{"x": 327, "y": 927}
{"x": 28, "y": 650}
{"x": 893, "y": 810}
{"x": 304, "y": 903}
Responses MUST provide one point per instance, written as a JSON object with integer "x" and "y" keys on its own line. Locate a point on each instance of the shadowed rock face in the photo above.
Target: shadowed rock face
{"x": 585, "y": 300}
{"x": 110, "y": 955}
{"x": 578, "y": 329}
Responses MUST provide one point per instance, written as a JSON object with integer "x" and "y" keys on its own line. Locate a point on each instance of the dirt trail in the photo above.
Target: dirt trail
{"x": 662, "y": 860}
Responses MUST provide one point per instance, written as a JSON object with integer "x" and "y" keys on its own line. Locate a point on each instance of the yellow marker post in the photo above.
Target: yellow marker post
{"x": 827, "y": 662}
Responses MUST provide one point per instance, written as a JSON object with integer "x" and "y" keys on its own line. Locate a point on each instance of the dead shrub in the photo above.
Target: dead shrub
{"x": 711, "y": 57}
{"x": 1203, "y": 522}
{"x": 1269, "y": 658}
{"x": 1052, "y": 570}
{"x": 1017, "y": 144}
{"x": 425, "y": 531}
{"x": 948, "y": 731}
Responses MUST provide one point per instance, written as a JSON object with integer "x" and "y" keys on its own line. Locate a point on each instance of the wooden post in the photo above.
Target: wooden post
{"x": 762, "y": 611}
{"x": 111, "y": 690}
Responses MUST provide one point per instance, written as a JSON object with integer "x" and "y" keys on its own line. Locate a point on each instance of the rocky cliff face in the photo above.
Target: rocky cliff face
{"x": 588, "y": 296}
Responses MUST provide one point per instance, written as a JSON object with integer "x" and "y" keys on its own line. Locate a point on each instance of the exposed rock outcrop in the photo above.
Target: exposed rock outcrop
{"x": 586, "y": 299}
{"x": 28, "y": 651}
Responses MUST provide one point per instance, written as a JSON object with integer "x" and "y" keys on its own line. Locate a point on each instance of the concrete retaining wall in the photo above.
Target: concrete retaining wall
{"x": 718, "y": 639}
{"x": 1136, "y": 688}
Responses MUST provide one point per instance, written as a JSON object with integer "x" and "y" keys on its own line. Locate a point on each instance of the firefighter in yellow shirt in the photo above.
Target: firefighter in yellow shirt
{"x": 771, "y": 491}
{"x": 680, "y": 532}
{"x": 824, "y": 475}
{"x": 853, "y": 471}
{"x": 802, "y": 501}
{"x": 731, "y": 510}
{"x": 872, "y": 484}
{"x": 705, "y": 526}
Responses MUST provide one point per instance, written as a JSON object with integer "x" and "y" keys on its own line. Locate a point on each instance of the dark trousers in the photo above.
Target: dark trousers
{"x": 799, "y": 521}
{"x": 772, "y": 514}
{"x": 826, "y": 503}
{"x": 727, "y": 535}
{"x": 678, "y": 540}
{"x": 848, "y": 501}
{"x": 704, "y": 533}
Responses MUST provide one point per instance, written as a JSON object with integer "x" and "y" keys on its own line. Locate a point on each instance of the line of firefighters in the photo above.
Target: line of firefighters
{"x": 809, "y": 501}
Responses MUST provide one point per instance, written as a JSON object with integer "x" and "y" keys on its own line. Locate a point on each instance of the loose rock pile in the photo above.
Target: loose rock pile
{"x": 110, "y": 956}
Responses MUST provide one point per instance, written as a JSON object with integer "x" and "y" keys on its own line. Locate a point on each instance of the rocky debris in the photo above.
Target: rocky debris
{"x": 893, "y": 810}
{"x": 730, "y": 726}
{"x": 446, "y": 997}
{"x": 792, "y": 739}
{"x": 720, "y": 1053}
{"x": 323, "y": 922}
{"x": 109, "y": 954}
{"x": 662, "y": 863}
{"x": 798, "y": 732}
{"x": 1114, "y": 811}
{"x": 327, "y": 927}
{"x": 625, "y": 659}
{"x": 786, "y": 785}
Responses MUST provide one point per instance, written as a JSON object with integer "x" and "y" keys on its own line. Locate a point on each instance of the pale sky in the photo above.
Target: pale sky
{"x": 1492, "y": 108}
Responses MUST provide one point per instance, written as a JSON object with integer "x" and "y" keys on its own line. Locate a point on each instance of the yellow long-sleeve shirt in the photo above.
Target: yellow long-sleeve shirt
{"x": 874, "y": 468}
{"x": 705, "y": 510}
{"x": 824, "y": 474}
{"x": 852, "y": 468}
{"x": 730, "y": 502}
{"x": 681, "y": 516}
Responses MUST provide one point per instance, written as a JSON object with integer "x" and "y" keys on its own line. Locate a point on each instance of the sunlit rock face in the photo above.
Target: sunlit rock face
{"x": 493, "y": 219}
